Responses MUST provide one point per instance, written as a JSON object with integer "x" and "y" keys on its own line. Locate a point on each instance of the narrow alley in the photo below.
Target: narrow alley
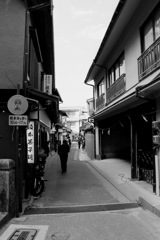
{"x": 82, "y": 186}
{"x": 74, "y": 207}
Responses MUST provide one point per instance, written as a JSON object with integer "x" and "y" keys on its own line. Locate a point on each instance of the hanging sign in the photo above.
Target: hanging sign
{"x": 18, "y": 120}
{"x": 17, "y": 104}
{"x": 48, "y": 84}
{"x": 30, "y": 142}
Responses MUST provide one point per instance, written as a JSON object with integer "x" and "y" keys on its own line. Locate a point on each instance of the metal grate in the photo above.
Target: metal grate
{"x": 23, "y": 234}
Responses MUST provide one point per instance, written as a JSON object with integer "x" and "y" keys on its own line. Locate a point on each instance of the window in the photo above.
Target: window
{"x": 151, "y": 29}
{"x": 157, "y": 24}
{"x": 116, "y": 70}
{"x": 101, "y": 88}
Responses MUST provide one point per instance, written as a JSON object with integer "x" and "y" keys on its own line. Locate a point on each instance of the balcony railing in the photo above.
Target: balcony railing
{"x": 100, "y": 102}
{"x": 116, "y": 89}
{"x": 149, "y": 61}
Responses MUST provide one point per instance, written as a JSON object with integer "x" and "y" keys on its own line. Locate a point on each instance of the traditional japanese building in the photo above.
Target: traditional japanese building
{"x": 27, "y": 73}
{"x": 125, "y": 76}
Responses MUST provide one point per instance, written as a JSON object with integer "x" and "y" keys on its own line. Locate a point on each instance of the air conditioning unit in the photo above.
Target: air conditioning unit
{"x": 156, "y": 139}
{"x": 156, "y": 125}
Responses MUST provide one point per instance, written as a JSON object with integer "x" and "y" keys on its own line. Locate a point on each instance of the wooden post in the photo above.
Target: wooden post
{"x": 18, "y": 170}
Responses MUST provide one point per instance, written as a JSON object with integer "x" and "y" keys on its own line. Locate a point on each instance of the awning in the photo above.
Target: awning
{"x": 63, "y": 113}
{"x": 43, "y": 95}
{"x": 151, "y": 90}
{"x": 120, "y": 106}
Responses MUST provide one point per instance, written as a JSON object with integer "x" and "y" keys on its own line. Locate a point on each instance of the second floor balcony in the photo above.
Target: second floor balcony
{"x": 149, "y": 61}
{"x": 116, "y": 89}
{"x": 100, "y": 101}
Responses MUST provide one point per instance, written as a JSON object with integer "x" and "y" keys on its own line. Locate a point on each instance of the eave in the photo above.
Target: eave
{"x": 42, "y": 95}
{"x": 42, "y": 21}
{"x": 122, "y": 15}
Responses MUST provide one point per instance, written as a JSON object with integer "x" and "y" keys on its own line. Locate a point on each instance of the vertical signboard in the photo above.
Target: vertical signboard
{"x": 48, "y": 84}
{"x": 30, "y": 142}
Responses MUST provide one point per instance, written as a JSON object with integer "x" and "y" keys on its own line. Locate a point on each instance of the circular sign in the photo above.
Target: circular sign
{"x": 17, "y": 104}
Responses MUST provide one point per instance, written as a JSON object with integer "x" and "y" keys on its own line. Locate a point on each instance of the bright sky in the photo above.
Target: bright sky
{"x": 79, "y": 27}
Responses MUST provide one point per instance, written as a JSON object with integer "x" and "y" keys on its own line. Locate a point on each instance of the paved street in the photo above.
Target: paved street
{"x": 81, "y": 205}
{"x": 81, "y": 186}
{"x": 132, "y": 224}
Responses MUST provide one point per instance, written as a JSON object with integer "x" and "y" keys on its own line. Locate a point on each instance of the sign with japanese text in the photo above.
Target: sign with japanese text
{"x": 18, "y": 120}
{"x": 48, "y": 84}
{"x": 30, "y": 142}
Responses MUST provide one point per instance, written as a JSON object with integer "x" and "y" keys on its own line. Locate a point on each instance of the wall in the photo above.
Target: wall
{"x": 133, "y": 42}
{"x": 12, "y": 27}
{"x": 7, "y": 138}
{"x": 89, "y": 145}
{"x": 7, "y": 186}
{"x": 130, "y": 43}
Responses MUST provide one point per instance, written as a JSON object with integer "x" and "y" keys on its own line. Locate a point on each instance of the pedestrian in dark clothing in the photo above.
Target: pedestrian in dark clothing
{"x": 47, "y": 148}
{"x": 63, "y": 151}
{"x": 79, "y": 142}
{"x": 83, "y": 143}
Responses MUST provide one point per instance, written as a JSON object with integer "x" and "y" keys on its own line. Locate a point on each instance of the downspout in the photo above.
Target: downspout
{"x": 93, "y": 92}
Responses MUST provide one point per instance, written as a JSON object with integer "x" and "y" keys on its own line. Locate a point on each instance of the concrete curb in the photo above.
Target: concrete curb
{"x": 143, "y": 198}
{"x": 4, "y": 218}
{"x": 80, "y": 208}
{"x": 147, "y": 205}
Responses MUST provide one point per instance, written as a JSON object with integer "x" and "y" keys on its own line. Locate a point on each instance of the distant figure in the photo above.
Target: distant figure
{"x": 47, "y": 149}
{"x": 83, "y": 143}
{"x": 55, "y": 145}
{"x": 63, "y": 151}
{"x": 79, "y": 142}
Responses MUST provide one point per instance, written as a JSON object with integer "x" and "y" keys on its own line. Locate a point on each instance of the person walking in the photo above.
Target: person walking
{"x": 63, "y": 151}
{"x": 79, "y": 142}
{"x": 83, "y": 143}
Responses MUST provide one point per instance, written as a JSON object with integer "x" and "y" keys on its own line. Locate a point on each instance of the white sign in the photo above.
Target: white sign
{"x": 17, "y": 104}
{"x": 48, "y": 84}
{"x": 30, "y": 142}
{"x": 18, "y": 120}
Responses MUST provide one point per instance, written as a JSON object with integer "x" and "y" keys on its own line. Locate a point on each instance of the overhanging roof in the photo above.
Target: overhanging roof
{"x": 56, "y": 92}
{"x": 43, "y": 95}
{"x": 123, "y": 13}
{"x": 121, "y": 106}
{"x": 42, "y": 20}
{"x": 63, "y": 113}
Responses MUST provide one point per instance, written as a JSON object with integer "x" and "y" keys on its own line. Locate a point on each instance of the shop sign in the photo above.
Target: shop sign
{"x": 30, "y": 142}
{"x": 48, "y": 84}
{"x": 18, "y": 120}
{"x": 17, "y": 105}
